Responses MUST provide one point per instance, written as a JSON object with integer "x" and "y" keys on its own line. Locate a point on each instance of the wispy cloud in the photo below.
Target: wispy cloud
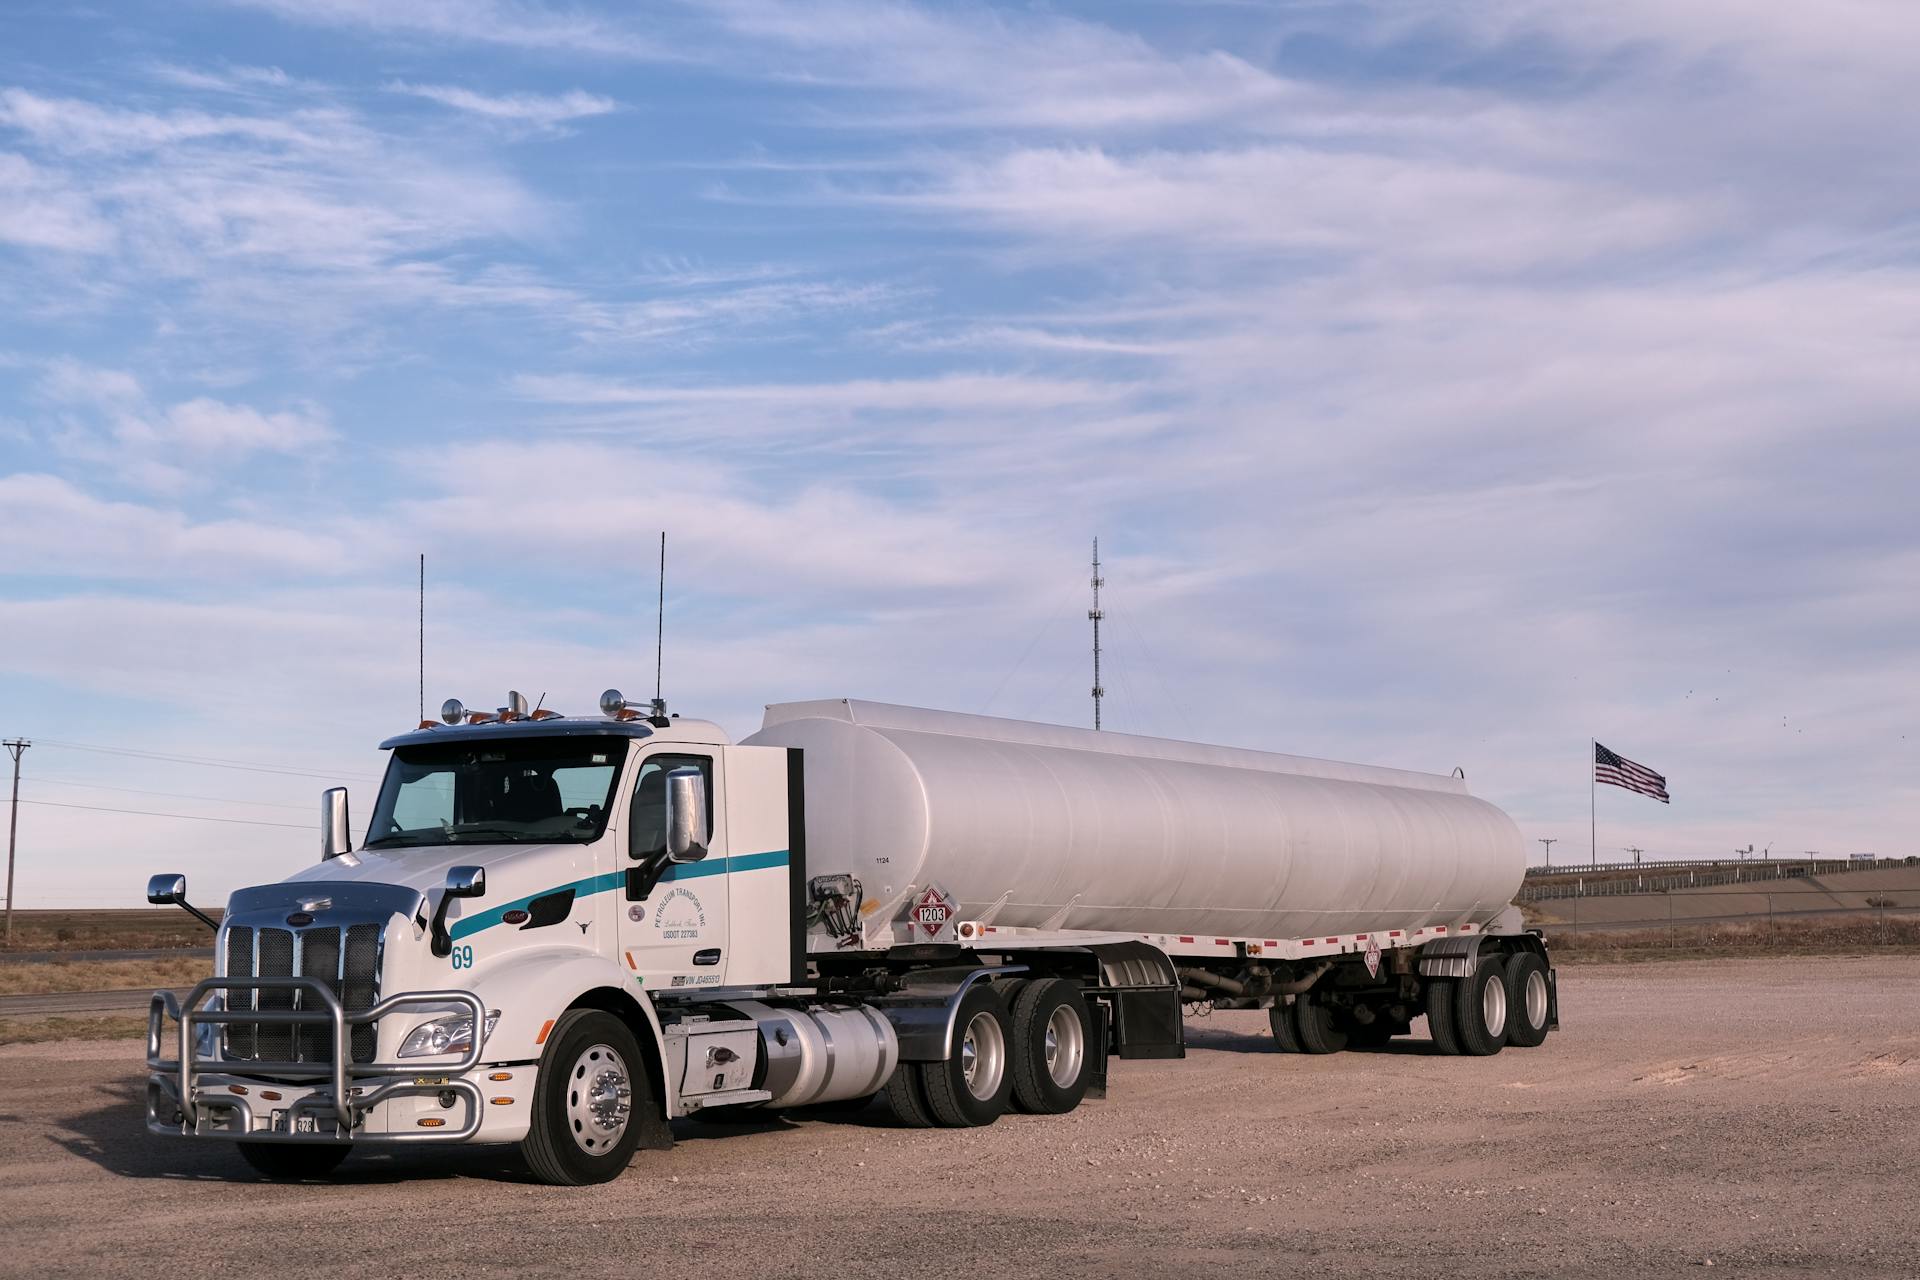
{"x": 531, "y": 109}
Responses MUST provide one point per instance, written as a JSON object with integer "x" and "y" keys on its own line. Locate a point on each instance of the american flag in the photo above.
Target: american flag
{"x": 1618, "y": 771}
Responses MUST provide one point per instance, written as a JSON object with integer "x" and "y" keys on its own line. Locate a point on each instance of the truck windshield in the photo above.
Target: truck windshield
{"x": 535, "y": 790}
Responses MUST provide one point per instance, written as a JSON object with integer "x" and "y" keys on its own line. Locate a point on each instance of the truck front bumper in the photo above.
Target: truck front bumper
{"x": 332, "y": 1101}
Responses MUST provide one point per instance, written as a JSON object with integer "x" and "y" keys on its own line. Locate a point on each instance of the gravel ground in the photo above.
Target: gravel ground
{"x": 1755, "y": 1115}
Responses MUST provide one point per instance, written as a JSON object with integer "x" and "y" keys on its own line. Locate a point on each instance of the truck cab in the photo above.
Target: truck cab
{"x": 514, "y": 866}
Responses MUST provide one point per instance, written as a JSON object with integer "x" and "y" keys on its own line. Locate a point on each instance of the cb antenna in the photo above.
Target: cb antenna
{"x": 660, "y": 633}
{"x": 423, "y": 637}
{"x": 1095, "y": 615}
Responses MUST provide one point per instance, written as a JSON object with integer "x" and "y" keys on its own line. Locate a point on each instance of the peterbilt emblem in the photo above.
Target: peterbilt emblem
{"x": 300, "y": 919}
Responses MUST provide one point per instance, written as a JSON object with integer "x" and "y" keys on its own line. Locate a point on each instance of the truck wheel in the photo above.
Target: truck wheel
{"x": 1319, "y": 1033}
{"x": 972, "y": 1087}
{"x": 1440, "y": 1001}
{"x": 293, "y": 1162}
{"x": 908, "y": 1097}
{"x": 1480, "y": 1009}
{"x": 1050, "y": 1034}
{"x": 592, "y": 1081}
{"x": 1286, "y": 1035}
{"x": 1527, "y": 1000}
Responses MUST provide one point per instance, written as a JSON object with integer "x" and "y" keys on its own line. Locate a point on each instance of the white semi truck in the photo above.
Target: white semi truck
{"x": 563, "y": 932}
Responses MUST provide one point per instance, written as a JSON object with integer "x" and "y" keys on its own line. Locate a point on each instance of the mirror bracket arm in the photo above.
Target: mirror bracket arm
{"x": 442, "y": 944}
{"x": 199, "y": 915}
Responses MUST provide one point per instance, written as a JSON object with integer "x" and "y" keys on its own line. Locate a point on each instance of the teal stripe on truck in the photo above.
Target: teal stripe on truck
{"x": 466, "y": 928}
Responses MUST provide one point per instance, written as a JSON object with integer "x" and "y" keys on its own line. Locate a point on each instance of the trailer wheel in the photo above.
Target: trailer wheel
{"x": 1440, "y": 1024}
{"x": 1051, "y": 1030}
{"x": 592, "y": 1082}
{"x": 907, "y": 1097}
{"x": 1319, "y": 1033}
{"x": 1480, "y": 1009}
{"x": 972, "y": 1087}
{"x": 1286, "y": 1035}
{"x": 293, "y": 1162}
{"x": 1527, "y": 1000}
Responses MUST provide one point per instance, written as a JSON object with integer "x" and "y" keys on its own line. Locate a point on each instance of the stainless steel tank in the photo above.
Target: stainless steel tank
{"x": 1107, "y": 831}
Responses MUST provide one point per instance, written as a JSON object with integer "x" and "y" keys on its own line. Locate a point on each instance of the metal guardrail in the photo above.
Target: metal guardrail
{"x": 1620, "y": 886}
{"x": 1761, "y": 866}
{"x": 342, "y": 1073}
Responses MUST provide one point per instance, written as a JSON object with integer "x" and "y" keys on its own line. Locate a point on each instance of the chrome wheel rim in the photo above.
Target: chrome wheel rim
{"x": 599, "y": 1099}
{"x": 1536, "y": 999}
{"x": 983, "y": 1056}
{"x": 1065, "y": 1046}
{"x": 1493, "y": 1007}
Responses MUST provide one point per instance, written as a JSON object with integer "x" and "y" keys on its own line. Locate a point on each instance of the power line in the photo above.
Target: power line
{"x": 171, "y": 795}
{"x": 211, "y": 762}
{"x": 192, "y": 817}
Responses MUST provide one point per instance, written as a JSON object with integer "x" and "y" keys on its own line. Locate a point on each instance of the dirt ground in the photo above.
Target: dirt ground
{"x": 1760, "y": 1115}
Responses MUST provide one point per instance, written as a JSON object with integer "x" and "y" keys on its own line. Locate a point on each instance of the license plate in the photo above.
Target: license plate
{"x": 306, "y": 1122}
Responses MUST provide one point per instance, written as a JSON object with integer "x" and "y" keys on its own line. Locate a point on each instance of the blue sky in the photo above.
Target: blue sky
{"x": 1448, "y": 385}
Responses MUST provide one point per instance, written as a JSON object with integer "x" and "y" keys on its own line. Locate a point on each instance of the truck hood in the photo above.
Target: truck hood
{"x": 424, "y": 868}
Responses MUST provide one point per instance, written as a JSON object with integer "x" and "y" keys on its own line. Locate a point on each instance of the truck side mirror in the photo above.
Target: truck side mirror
{"x": 462, "y": 882}
{"x": 687, "y": 833}
{"x": 467, "y": 882}
{"x": 335, "y": 838}
{"x": 170, "y": 890}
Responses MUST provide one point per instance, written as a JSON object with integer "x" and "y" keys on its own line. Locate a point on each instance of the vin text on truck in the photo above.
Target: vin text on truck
{"x": 563, "y": 932}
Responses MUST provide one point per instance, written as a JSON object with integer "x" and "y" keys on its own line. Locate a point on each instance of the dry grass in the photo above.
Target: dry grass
{"x": 38, "y": 1030}
{"x": 1849, "y": 936}
{"x": 142, "y": 929}
{"x": 102, "y": 975}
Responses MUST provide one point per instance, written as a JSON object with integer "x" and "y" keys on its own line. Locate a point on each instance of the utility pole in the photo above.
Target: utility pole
{"x": 1095, "y": 615}
{"x": 1549, "y": 842}
{"x": 1636, "y": 854}
{"x": 15, "y": 748}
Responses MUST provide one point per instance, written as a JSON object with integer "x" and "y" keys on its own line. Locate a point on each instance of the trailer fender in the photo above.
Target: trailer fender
{"x": 1450, "y": 957}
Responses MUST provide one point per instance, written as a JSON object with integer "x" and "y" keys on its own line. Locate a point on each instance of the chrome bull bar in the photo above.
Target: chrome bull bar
{"x": 344, "y": 1076}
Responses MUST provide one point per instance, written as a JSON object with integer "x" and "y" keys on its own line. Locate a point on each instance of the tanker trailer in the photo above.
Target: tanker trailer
{"x": 565, "y": 931}
{"x": 1346, "y": 899}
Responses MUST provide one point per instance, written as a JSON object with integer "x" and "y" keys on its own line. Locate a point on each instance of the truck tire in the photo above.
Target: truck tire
{"x": 293, "y": 1161}
{"x": 1051, "y": 1035}
{"x": 1527, "y": 1000}
{"x": 907, "y": 1097}
{"x": 1440, "y": 1002}
{"x": 588, "y": 1101}
{"x": 1319, "y": 1032}
{"x": 1286, "y": 1035}
{"x": 1480, "y": 1009}
{"x": 972, "y": 1087}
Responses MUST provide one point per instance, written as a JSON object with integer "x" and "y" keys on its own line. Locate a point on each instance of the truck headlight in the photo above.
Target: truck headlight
{"x": 450, "y": 1034}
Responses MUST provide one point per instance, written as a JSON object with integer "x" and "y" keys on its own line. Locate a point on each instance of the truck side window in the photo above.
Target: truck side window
{"x": 647, "y": 819}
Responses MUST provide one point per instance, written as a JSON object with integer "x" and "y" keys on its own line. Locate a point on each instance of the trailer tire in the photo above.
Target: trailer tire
{"x": 1050, "y": 1018}
{"x": 907, "y": 1097}
{"x": 293, "y": 1162}
{"x": 1286, "y": 1034}
{"x": 589, "y": 1101}
{"x": 1528, "y": 1000}
{"x": 973, "y": 1086}
{"x": 1319, "y": 1031}
{"x": 1480, "y": 1009}
{"x": 1440, "y": 1025}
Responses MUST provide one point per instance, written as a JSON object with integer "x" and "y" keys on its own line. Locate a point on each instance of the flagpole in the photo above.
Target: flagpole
{"x": 1593, "y": 805}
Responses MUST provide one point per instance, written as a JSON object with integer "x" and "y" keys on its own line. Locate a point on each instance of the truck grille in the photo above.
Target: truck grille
{"x": 346, "y": 960}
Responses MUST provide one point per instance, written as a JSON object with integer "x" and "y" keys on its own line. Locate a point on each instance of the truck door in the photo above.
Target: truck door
{"x": 673, "y": 928}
